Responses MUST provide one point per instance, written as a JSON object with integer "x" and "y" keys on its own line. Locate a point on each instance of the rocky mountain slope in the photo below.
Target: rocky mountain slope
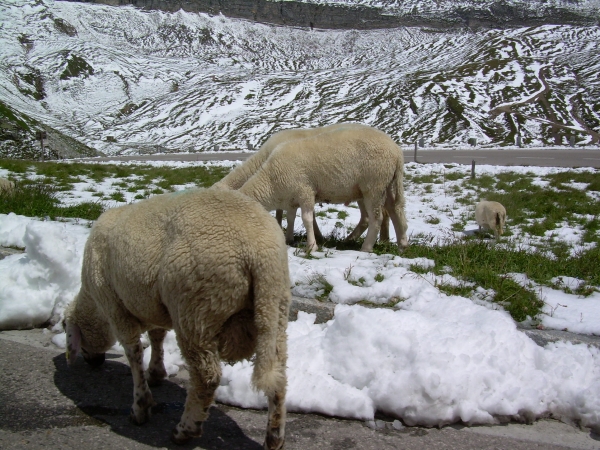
{"x": 368, "y": 14}
{"x": 122, "y": 80}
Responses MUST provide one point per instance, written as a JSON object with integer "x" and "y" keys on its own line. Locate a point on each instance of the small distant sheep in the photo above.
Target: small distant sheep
{"x": 349, "y": 163}
{"x": 213, "y": 266}
{"x": 6, "y": 186}
{"x": 491, "y": 216}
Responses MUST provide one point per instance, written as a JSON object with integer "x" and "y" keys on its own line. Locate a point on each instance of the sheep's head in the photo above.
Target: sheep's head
{"x": 88, "y": 333}
{"x": 75, "y": 345}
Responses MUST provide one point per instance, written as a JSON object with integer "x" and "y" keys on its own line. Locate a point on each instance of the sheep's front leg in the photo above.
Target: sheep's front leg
{"x": 363, "y": 223}
{"x": 142, "y": 397}
{"x": 205, "y": 374}
{"x": 308, "y": 213}
{"x": 156, "y": 369}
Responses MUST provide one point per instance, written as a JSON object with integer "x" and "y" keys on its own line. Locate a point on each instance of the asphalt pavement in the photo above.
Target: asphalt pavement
{"x": 45, "y": 404}
{"x": 539, "y": 157}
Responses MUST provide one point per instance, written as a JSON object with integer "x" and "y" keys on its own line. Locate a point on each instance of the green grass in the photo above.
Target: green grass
{"x": 532, "y": 208}
{"x": 487, "y": 265}
{"x": 40, "y": 200}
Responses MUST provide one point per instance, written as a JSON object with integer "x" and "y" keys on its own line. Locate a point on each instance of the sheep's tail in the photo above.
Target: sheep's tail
{"x": 271, "y": 286}
{"x": 500, "y": 220}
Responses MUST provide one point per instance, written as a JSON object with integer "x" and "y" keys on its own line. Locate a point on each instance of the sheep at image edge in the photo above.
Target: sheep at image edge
{"x": 6, "y": 186}
{"x": 348, "y": 163}
{"x": 491, "y": 216}
{"x": 213, "y": 266}
{"x": 242, "y": 173}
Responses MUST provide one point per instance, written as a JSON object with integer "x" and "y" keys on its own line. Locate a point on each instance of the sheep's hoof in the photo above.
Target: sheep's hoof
{"x": 180, "y": 437}
{"x": 141, "y": 418}
{"x": 155, "y": 377}
{"x": 273, "y": 442}
{"x": 94, "y": 360}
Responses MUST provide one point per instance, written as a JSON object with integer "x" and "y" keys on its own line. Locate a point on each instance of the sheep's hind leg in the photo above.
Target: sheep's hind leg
{"x": 290, "y": 215}
{"x": 308, "y": 214}
{"x": 275, "y": 439}
{"x": 142, "y": 397}
{"x": 396, "y": 214}
{"x": 375, "y": 217}
{"x": 156, "y": 371}
{"x": 205, "y": 374}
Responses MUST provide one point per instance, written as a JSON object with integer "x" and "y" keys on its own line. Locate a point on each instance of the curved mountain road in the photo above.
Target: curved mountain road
{"x": 540, "y": 157}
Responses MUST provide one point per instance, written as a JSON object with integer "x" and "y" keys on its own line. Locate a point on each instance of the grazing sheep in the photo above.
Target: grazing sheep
{"x": 6, "y": 186}
{"x": 348, "y": 163}
{"x": 242, "y": 173}
{"x": 491, "y": 216}
{"x": 213, "y": 266}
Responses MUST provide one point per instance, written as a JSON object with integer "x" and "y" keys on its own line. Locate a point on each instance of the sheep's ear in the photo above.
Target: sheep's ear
{"x": 73, "y": 342}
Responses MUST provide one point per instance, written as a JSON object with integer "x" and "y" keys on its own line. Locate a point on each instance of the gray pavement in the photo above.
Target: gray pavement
{"x": 541, "y": 157}
{"x": 45, "y": 404}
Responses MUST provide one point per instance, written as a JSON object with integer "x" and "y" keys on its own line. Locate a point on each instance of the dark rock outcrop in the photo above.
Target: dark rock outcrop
{"x": 314, "y": 15}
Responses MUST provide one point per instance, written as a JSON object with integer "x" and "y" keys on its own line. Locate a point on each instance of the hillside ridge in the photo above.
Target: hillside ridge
{"x": 357, "y": 15}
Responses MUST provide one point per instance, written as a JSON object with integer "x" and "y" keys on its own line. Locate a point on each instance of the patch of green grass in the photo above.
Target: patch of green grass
{"x": 40, "y": 200}
{"x": 486, "y": 264}
{"x": 117, "y": 196}
{"x": 453, "y": 176}
{"x": 32, "y": 200}
{"x": 342, "y": 215}
{"x": 85, "y": 210}
{"x": 430, "y": 178}
{"x": 145, "y": 175}
{"x": 325, "y": 285}
{"x": 391, "y": 303}
{"x": 450, "y": 289}
{"x": 379, "y": 277}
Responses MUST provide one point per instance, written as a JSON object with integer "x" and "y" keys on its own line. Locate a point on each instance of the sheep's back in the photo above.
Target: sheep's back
{"x": 189, "y": 251}
{"x": 340, "y": 164}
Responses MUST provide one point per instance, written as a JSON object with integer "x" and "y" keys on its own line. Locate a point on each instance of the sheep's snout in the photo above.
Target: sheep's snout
{"x": 94, "y": 359}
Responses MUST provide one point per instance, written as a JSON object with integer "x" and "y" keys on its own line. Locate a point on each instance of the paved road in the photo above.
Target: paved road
{"x": 45, "y": 404}
{"x": 563, "y": 157}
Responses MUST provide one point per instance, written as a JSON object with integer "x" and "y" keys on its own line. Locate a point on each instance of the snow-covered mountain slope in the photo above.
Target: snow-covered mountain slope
{"x": 125, "y": 80}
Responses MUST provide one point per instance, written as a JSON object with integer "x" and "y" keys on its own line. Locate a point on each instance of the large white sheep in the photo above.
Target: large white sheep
{"x": 491, "y": 216}
{"x": 242, "y": 173}
{"x": 6, "y": 186}
{"x": 212, "y": 265}
{"x": 348, "y": 163}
